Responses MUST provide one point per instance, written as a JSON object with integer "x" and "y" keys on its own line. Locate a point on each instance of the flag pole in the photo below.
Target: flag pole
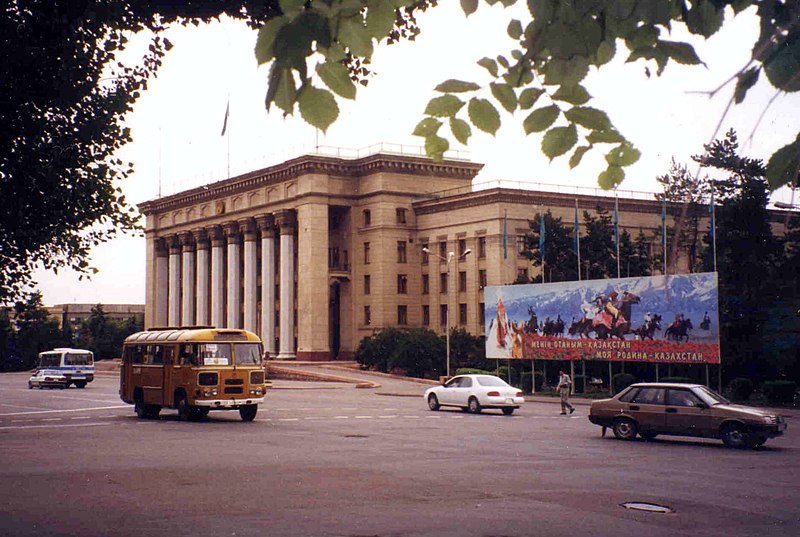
{"x": 664, "y": 231}
{"x": 713, "y": 230}
{"x": 578, "y": 239}
{"x": 541, "y": 242}
{"x": 616, "y": 229}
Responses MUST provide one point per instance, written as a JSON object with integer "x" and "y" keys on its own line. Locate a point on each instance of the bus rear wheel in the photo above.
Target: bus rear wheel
{"x": 248, "y": 412}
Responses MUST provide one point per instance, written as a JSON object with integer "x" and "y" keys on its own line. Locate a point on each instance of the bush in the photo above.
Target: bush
{"x": 740, "y": 389}
{"x": 678, "y": 380}
{"x": 579, "y": 382}
{"x": 503, "y": 372}
{"x": 621, "y": 381}
{"x": 779, "y": 391}
{"x": 525, "y": 381}
{"x": 473, "y": 371}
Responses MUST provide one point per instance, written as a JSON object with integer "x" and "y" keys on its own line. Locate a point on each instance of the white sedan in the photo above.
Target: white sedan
{"x": 475, "y": 392}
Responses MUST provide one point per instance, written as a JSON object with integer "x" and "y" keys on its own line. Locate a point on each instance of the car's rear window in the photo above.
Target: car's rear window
{"x": 491, "y": 381}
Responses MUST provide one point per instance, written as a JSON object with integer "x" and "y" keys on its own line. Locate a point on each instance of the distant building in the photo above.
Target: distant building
{"x": 75, "y": 314}
{"x": 318, "y": 252}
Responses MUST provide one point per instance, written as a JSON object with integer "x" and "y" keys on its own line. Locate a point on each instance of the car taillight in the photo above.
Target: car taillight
{"x": 493, "y": 394}
{"x": 519, "y": 394}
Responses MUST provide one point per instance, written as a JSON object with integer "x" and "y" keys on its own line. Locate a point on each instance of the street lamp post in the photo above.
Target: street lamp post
{"x": 447, "y": 260}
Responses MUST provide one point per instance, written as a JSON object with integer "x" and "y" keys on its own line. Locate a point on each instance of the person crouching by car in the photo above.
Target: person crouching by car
{"x": 563, "y": 389}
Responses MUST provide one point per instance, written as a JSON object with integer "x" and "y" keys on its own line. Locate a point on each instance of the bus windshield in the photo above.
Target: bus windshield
{"x": 214, "y": 354}
{"x": 83, "y": 358}
{"x": 50, "y": 360}
{"x": 247, "y": 353}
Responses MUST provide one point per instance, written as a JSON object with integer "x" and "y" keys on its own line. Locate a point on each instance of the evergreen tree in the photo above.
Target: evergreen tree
{"x": 36, "y": 331}
{"x": 598, "y": 251}
{"x": 560, "y": 260}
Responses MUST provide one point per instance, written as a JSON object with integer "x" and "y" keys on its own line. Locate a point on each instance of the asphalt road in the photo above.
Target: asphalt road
{"x": 333, "y": 460}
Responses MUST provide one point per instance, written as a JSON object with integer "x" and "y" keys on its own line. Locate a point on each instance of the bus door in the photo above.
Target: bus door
{"x": 170, "y": 372}
{"x": 152, "y": 376}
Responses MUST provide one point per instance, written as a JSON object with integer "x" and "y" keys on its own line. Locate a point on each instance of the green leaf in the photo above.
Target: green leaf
{"x": 456, "y": 86}
{"x": 337, "y": 78}
{"x": 642, "y": 37}
{"x": 380, "y": 18}
{"x": 281, "y": 89}
{"x": 515, "y": 29}
{"x": 469, "y": 7}
{"x": 606, "y": 51}
{"x": 444, "y": 106}
{"x": 745, "y": 81}
{"x": 484, "y": 115}
{"x": 528, "y": 97}
{"x": 623, "y": 155}
{"x": 490, "y": 65}
{"x": 784, "y": 165}
{"x": 318, "y": 107}
{"x": 559, "y": 140}
{"x": 783, "y": 67}
{"x": 604, "y": 137}
{"x": 611, "y": 177}
{"x": 589, "y": 117}
{"x": 505, "y": 95}
{"x": 576, "y": 94}
{"x": 354, "y": 35}
{"x": 288, "y": 6}
{"x": 461, "y": 130}
{"x": 577, "y": 155}
{"x": 541, "y": 118}
{"x": 704, "y": 18}
{"x": 682, "y": 53}
{"x": 266, "y": 37}
{"x": 427, "y": 127}
{"x": 566, "y": 72}
{"x": 435, "y": 147}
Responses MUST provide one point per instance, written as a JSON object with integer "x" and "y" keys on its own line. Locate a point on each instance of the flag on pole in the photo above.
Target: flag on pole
{"x": 225, "y": 121}
{"x": 576, "y": 240}
{"x": 664, "y": 231}
{"x": 505, "y": 235}
{"x": 713, "y": 230}
{"x": 541, "y": 236}
{"x": 616, "y": 230}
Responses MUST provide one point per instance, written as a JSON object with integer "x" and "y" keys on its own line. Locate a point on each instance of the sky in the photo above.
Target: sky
{"x": 176, "y": 125}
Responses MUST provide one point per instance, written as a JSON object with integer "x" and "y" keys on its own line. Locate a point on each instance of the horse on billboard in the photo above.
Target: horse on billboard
{"x": 606, "y": 317}
{"x": 650, "y": 327}
{"x": 679, "y": 330}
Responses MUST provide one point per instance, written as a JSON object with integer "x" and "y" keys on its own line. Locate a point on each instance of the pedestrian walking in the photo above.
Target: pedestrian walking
{"x": 563, "y": 389}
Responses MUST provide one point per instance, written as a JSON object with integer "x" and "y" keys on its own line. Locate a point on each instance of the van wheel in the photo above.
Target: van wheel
{"x": 248, "y": 412}
{"x": 733, "y": 435}
{"x": 625, "y": 429}
{"x": 30, "y": 385}
{"x": 80, "y": 384}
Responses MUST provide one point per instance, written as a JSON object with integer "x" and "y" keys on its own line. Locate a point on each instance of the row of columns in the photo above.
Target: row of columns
{"x": 189, "y": 262}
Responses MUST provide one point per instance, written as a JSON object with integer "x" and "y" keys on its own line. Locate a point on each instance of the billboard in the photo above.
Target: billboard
{"x": 665, "y": 319}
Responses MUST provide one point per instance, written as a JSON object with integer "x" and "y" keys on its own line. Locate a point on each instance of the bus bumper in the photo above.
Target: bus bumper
{"x": 228, "y": 403}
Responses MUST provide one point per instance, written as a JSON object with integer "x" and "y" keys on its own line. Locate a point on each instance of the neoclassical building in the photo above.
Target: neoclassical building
{"x": 318, "y": 252}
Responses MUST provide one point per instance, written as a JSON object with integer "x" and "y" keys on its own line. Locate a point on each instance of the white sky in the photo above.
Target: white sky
{"x": 176, "y": 124}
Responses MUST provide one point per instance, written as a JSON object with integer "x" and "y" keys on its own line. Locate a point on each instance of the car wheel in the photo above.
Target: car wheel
{"x": 248, "y": 412}
{"x": 754, "y": 441}
{"x": 648, "y": 435}
{"x": 733, "y": 435}
{"x": 30, "y": 385}
{"x": 474, "y": 405}
{"x": 433, "y": 402}
{"x": 508, "y": 411}
{"x": 625, "y": 429}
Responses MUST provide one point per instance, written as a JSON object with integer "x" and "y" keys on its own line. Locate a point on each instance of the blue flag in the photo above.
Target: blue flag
{"x": 505, "y": 236}
{"x": 541, "y": 236}
{"x": 616, "y": 222}
{"x": 576, "y": 232}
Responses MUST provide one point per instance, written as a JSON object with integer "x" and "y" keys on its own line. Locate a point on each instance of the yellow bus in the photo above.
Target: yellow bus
{"x": 193, "y": 370}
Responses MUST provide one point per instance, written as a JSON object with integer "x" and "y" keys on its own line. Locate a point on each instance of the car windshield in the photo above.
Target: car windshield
{"x": 710, "y": 397}
{"x": 491, "y": 381}
{"x": 83, "y": 358}
{"x": 247, "y": 353}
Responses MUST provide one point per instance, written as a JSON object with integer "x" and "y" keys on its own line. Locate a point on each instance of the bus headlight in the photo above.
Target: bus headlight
{"x": 210, "y": 392}
{"x": 255, "y": 391}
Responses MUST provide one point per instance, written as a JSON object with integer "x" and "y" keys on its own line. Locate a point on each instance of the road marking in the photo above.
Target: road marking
{"x": 387, "y": 417}
{"x": 363, "y": 417}
{"x": 4, "y": 428}
{"x": 82, "y": 418}
{"x": 433, "y": 417}
{"x": 68, "y": 410}
{"x": 288, "y": 419}
{"x": 51, "y": 419}
{"x": 22, "y": 406}
{"x": 341, "y": 417}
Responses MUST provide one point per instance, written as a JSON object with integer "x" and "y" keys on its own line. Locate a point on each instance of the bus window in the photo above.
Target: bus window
{"x": 188, "y": 355}
{"x": 50, "y": 360}
{"x": 214, "y": 353}
{"x": 78, "y": 359}
{"x": 158, "y": 354}
{"x": 247, "y": 353}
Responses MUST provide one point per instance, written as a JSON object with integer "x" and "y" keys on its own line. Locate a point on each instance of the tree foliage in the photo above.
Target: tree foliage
{"x": 33, "y": 332}
{"x": 556, "y": 45}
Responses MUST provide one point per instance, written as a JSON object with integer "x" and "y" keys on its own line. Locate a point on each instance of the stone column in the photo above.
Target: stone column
{"x": 174, "y": 292}
{"x": 162, "y": 283}
{"x": 248, "y": 227}
{"x": 313, "y": 284}
{"x": 234, "y": 277}
{"x": 266, "y": 224}
{"x": 201, "y": 241}
{"x": 217, "y": 276}
{"x": 287, "y": 221}
{"x": 187, "y": 279}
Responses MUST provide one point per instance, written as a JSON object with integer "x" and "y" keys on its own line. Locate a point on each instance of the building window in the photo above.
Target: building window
{"x": 522, "y": 275}
{"x": 426, "y": 315}
{"x": 481, "y": 247}
{"x": 402, "y": 315}
{"x": 367, "y": 217}
{"x": 443, "y": 315}
{"x": 462, "y": 314}
{"x": 443, "y": 251}
{"x": 367, "y": 315}
{"x": 367, "y": 282}
{"x": 366, "y": 253}
{"x": 462, "y": 246}
{"x": 402, "y": 284}
{"x": 443, "y": 282}
{"x": 482, "y": 314}
{"x": 425, "y": 258}
{"x": 401, "y": 251}
{"x": 462, "y": 281}
{"x": 426, "y": 284}
{"x": 400, "y": 215}
{"x": 482, "y": 279}
{"x": 520, "y": 240}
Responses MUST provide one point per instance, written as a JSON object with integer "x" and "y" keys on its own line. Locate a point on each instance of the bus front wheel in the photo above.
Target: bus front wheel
{"x": 248, "y": 412}
{"x": 187, "y": 412}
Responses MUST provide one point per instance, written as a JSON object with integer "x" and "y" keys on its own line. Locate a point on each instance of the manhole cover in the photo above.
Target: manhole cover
{"x": 649, "y": 507}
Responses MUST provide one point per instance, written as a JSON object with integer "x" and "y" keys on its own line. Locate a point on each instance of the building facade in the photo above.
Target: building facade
{"x": 319, "y": 252}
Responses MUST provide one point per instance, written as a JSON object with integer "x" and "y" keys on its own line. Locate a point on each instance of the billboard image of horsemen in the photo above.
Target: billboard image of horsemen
{"x": 667, "y": 319}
